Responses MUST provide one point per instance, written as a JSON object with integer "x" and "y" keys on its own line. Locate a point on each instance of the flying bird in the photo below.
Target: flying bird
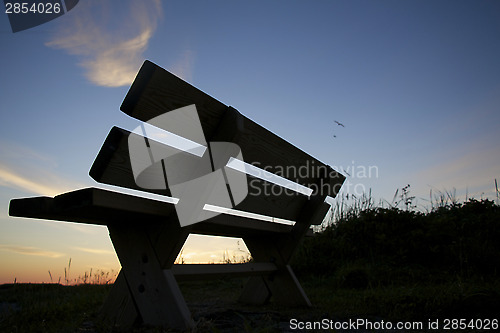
{"x": 338, "y": 123}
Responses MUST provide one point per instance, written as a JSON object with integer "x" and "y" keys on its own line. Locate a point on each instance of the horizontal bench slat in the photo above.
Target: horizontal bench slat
{"x": 204, "y": 271}
{"x": 112, "y": 166}
{"x": 156, "y": 91}
{"x": 103, "y": 207}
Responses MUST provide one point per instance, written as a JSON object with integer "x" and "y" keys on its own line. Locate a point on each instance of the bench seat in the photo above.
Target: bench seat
{"x": 103, "y": 207}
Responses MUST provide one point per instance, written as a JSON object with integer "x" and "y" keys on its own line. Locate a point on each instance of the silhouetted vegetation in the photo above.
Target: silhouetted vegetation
{"x": 461, "y": 239}
{"x": 392, "y": 263}
{"x": 48, "y": 307}
{"x": 402, "y": 264}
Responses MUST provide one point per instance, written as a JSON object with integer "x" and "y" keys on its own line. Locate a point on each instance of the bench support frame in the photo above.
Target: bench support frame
{"x": 146, "y": 290}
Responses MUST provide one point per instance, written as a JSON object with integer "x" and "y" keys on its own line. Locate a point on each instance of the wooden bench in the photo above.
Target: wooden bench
{"x": 146, "y": 233}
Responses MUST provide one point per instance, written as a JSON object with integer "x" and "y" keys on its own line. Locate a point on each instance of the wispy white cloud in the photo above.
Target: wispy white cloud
{"x": 109, "y": 41}
{"x": 10, "y": 178}
{"x": 94, "y": 251}
{"x": 473, "y": 171}
{"x": 31, "y": 251}
{"x": 11, "y": 151}
{"x": 40, "y": 183}
{"x": 24, "y": 169}
{"x": 183, "y": 68}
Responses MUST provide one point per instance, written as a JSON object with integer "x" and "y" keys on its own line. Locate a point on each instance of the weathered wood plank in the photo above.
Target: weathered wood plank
{"x": 312, "y": 213}
{"x": 237, "y": 226}
{"x": 154, "y": 291}
{"x": 92, "y": 206}
{"x": 103, "y": 207}
{"x": 283, "y": 286}
{"x": 167, "y": 239}
{"x": 255, "y": 291}
{"x": 215, "y": 271}
{"x": 119, "y": 309}
{"x": 112, "y": 166}
{"x": 156, "y": 91}
{"x": 268, "y": 151}
{"x": 36, "y": 207}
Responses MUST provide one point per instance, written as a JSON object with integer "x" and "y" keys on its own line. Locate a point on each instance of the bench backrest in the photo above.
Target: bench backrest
{"x": 155, "y": 91}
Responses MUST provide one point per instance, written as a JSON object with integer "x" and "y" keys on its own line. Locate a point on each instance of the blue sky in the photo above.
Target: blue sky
{"x": 416, "y": 84}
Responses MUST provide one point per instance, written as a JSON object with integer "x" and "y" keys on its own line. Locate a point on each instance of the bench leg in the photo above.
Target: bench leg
{"x": 282, "y": 285}
{"x": 154, "y": 291}
{"x": 119, "y": 309}
{"x": 286, "y": 289}
{"x": 255, "y": 292}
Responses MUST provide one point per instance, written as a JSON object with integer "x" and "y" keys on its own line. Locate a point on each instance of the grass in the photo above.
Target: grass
{"x": 92, "y": 277}
{"x": 56, "y": 308}
{"x": 48, "y": 307}
{"x": 395, "y": 262}
{"x": 349, "y": 294}
{"x": 387, "y": 262}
